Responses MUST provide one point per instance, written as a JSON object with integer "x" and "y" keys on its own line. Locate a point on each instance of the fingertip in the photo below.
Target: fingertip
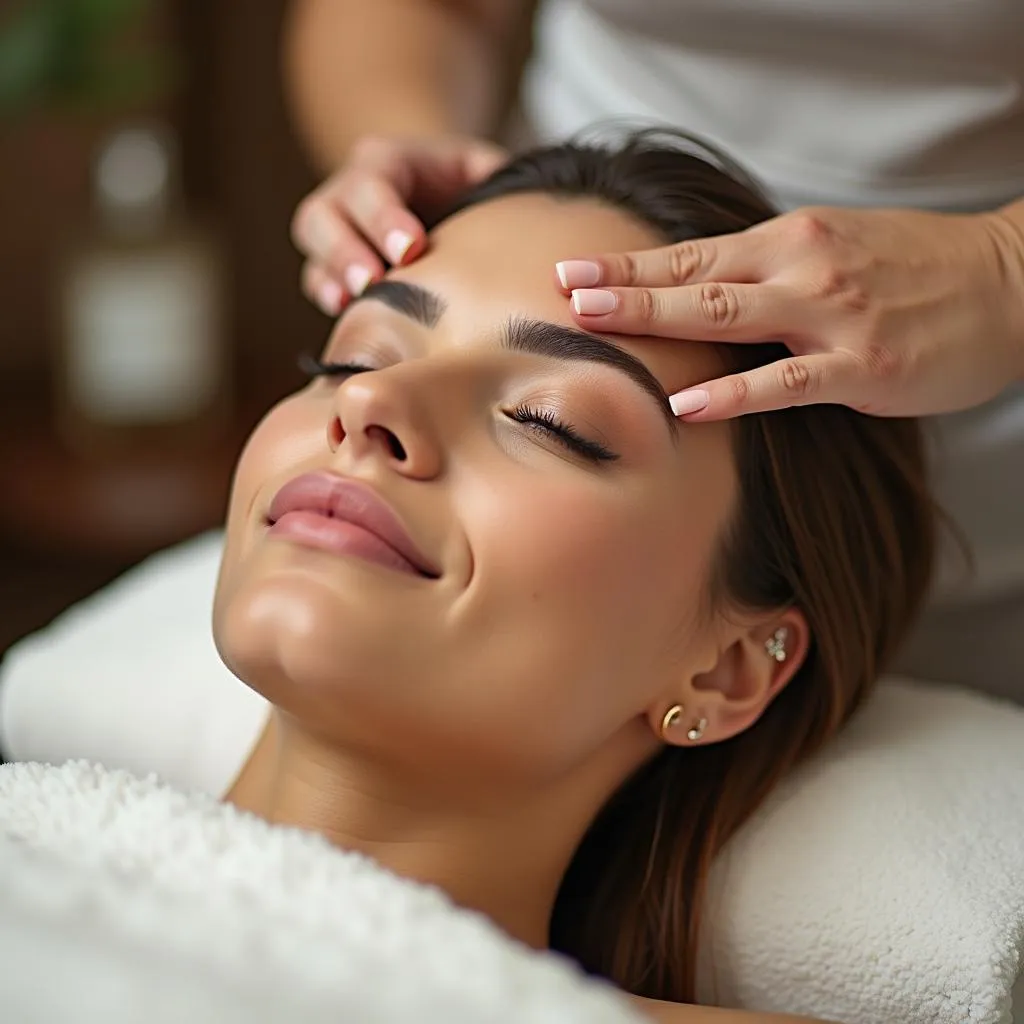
{"x": 692, "y": 400}
{"x": 329, "y": 297}
{"x": 578, "y": 274}
{"x": 397, "y": 244}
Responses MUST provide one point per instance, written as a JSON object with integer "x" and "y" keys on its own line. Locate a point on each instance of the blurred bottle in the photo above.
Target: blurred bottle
{"x": 143, "y": 363}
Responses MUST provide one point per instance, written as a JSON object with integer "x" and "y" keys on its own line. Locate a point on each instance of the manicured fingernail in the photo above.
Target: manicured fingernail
{"x": 593, "y": 302}
{"x": 578, "y": 273}
{"x": 684, "y": 402}
{"x": 396, "y": 245}
{"x": 329, "y": 298}
{"x": 356, "y": 279}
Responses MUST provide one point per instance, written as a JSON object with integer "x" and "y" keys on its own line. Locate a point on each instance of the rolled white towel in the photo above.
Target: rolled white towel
{"x": 122, "y": 900}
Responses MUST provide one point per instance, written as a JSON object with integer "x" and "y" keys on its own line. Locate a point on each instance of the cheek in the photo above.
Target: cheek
{"x": 598, "y": 575}
{"x": 288, "y": 435}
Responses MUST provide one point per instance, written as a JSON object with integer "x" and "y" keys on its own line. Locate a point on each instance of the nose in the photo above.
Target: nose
{"x": 383, "y": 415}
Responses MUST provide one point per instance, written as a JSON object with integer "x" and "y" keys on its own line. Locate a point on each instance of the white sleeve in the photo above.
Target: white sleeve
{"x": 130, "y": 678}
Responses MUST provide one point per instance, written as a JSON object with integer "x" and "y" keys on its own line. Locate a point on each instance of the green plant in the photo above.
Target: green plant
{"x": 77, "y": 55}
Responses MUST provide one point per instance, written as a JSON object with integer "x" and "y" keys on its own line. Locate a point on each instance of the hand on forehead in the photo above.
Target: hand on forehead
{"x": 494, "y": 262}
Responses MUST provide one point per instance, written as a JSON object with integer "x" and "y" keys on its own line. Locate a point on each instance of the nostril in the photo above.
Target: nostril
{"x": 335, "y": 433}
{"x": 395, "y": 446}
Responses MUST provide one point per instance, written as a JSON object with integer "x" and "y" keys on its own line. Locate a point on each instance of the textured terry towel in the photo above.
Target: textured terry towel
{"x": 884, "y": 880}
{"x": 123, "y": 901}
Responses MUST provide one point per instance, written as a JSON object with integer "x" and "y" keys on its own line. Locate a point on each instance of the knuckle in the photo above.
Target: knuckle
{"x": 795, "y": 379}
{"x": 370, "y": 149}
{"x": 647, "y": 306}
{"x": 739, "y": 391}
{"x": 684, "y": 260}
{"x": 718, "y": 304}
{"x": 808, "y": 228}
{"x": 629, "y": 270}
{"x": 840, "y": 288}
{"x": 299, "y": 227}
{"x": 880, "y": 362}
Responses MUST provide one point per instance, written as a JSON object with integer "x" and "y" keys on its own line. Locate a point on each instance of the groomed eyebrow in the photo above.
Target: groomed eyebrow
{"x": 536, "y": 337}
{"x": 542, "y": 338}
{"x": 419, "y": 304}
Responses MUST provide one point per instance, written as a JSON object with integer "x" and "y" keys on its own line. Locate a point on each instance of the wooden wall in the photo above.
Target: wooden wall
{"x": 242, "y": 168}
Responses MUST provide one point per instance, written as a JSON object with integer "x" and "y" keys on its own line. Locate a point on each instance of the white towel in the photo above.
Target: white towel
{"x": 123, "y": 901}
{"x": 884, "y": 880}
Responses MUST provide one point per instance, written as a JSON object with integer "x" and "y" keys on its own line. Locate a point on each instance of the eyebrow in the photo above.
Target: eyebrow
{"x": 536, "y": 337}
{"x": 411, "y": 300}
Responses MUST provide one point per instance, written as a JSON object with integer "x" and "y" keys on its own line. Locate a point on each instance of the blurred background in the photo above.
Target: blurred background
{"x": 149, "y": 301}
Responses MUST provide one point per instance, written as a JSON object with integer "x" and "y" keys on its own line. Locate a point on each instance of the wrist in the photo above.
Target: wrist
{"x": 1007, "y": 229}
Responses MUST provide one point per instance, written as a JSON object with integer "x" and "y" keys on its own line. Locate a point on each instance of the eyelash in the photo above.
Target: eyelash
{"x": 540, "y": 419}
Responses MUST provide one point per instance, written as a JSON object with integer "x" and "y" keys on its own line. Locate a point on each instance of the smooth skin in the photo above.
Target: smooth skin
{"x": 892, "y": 312}
{"x": 411, "y": 721}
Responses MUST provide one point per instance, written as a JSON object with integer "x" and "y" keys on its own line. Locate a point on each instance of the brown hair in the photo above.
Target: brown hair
{"x": 834, "y": 517}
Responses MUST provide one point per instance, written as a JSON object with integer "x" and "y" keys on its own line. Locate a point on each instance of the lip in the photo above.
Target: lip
{"x": 346, "y": 517}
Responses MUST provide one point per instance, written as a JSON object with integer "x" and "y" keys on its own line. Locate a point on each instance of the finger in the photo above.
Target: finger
{"x": 703, "y": 312}
{"x": 377, "y": 209}
{"x": 439, "y": 175}
{"x": 320, "y": 231}
{"x": 740, "y": 257}
{"x": 482, "y": 161}
{"x": 322, "y": 289}
{"x": 799, "y": 380}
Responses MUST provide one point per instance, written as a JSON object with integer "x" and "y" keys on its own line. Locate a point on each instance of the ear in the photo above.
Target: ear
{"x": 756, "y": 660}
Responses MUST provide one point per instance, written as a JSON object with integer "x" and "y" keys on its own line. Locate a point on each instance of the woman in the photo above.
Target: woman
{"x": 865, "y": 120}
{"x": 528, "y": 636}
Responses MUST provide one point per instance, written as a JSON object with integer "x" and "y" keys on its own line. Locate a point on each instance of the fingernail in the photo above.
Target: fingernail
{"x": 684, "y": 402}
{"x": 356, "y": 279}
{"x": 578, "y": 273}
{"x": 593, "y": 302}
{"x": 329, "y": 298}
{"x": 396, "y": 245}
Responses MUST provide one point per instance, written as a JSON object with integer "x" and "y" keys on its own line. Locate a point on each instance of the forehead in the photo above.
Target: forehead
{"x": 497, "y": 260}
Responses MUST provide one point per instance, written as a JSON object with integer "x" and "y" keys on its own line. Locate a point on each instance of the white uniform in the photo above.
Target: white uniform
{"x": 853, "y": 103}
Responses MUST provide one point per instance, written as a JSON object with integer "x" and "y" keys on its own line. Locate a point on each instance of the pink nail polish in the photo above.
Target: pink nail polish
{"x": 685, "y": 402}
{"x": 329, "y": 298}
{"x": 593, "y": 302}
{"x": 356, "y": 279}
{"x": 396, "y": 245}
{"x": 578, "y": 273}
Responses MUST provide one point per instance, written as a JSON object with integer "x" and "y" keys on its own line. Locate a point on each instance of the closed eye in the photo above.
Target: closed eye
{"x": 313, "y": 367}
{"x": 548, "y": 423}
{"x": 542, "y": 420}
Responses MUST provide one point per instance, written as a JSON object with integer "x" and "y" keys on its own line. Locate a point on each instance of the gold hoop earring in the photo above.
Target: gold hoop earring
{"x": 671, "y": 719}
{"x": 697, "y": 731}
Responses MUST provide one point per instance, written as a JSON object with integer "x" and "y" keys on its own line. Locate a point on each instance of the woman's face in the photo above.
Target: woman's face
{"x": 567, "y": 522}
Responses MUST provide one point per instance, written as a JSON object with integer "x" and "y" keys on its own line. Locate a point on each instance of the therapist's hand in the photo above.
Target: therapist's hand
{"x": 363, "y": 214}
{"x": 891, "y": 312}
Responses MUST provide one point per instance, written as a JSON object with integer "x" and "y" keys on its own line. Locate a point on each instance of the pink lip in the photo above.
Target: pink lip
{"x": 347, "y": 518}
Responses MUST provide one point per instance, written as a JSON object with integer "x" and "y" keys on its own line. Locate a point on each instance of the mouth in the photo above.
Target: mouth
{"x": 346, "y": 517}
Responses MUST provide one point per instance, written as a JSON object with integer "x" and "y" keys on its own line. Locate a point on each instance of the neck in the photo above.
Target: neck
{"x": 505, "y": 858}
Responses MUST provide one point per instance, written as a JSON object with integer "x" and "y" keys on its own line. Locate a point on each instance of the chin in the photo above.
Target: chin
{"x": 308, "y": 647}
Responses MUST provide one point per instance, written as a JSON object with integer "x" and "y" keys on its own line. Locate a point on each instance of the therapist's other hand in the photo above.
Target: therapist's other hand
{"x": 363, "y": 214}
{"x": 891, "y": 312}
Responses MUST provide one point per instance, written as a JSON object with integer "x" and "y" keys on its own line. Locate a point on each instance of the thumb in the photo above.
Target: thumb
{"x": 798, "y": 380}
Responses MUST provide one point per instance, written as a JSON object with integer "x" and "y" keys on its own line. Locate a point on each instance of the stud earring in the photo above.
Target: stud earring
{"x": 697, "y": 731}
{"x": 671, "y": 719}
{"x": 775, "y": 645}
